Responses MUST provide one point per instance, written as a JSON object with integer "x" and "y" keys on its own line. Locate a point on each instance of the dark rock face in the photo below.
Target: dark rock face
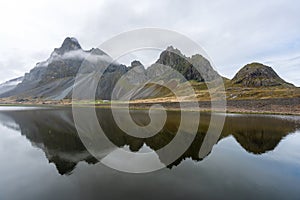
{"x": 187, "y": 66}
{"x": 108, "y": 81}
{"x": 137, "y": 73}
{"x": 69, "y": 44}
{"x": 258, "y": 75}
{"x": 136, "y": 63}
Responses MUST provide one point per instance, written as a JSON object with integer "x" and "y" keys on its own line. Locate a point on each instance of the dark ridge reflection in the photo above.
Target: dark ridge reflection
{"x": 53, "y": 131}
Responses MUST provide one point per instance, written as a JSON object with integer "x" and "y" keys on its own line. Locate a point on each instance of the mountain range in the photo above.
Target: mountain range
{"x": 54, "y": 78}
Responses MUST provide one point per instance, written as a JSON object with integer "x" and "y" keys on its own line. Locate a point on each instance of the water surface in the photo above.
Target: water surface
{"x": 42, "y": 157}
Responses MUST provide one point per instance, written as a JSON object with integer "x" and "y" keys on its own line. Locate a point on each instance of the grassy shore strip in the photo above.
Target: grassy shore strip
{"x": 142, "y": 106}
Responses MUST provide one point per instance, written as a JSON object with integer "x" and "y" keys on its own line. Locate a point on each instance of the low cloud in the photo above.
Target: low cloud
{"x": 76, "y": 55}
{"x": 80, "y": 54}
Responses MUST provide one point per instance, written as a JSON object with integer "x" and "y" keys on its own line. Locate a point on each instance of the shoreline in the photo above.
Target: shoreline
{"x": 280, "y": 106}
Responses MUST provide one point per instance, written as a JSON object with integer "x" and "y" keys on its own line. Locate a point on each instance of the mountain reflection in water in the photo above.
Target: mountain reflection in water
{"x": 53, "y": 131}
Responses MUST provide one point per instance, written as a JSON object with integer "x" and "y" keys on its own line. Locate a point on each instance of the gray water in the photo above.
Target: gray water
{"x": 42, "y": 157}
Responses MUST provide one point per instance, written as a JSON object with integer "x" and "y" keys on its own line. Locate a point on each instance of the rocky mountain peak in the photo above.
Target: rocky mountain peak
{"x": 137, "y": 67}
{"x": 69, "y": 44}
{"x": 174, "y": 50}
{"x": 187, "y": 66}
{"x": 170, "y": 57}
{"x": 258, "y": 75}
{"x": 136, "y": 63}
{"x": 96, "y": 51}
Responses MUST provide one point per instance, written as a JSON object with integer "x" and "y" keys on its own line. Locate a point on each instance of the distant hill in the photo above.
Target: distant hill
{"x": 258, "y": 75}
{"x": 9, "y": 85}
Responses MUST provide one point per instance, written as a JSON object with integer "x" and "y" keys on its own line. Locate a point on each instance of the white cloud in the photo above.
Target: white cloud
{"x": 233, "y": 32}
{"x": 79, "y": 54}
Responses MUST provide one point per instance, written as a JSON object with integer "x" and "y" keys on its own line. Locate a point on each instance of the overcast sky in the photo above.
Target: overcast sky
{"x": 232, "y": 32}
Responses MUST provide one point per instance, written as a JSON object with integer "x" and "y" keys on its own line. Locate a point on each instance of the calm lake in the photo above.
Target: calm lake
{"x": 42, "y": 157}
